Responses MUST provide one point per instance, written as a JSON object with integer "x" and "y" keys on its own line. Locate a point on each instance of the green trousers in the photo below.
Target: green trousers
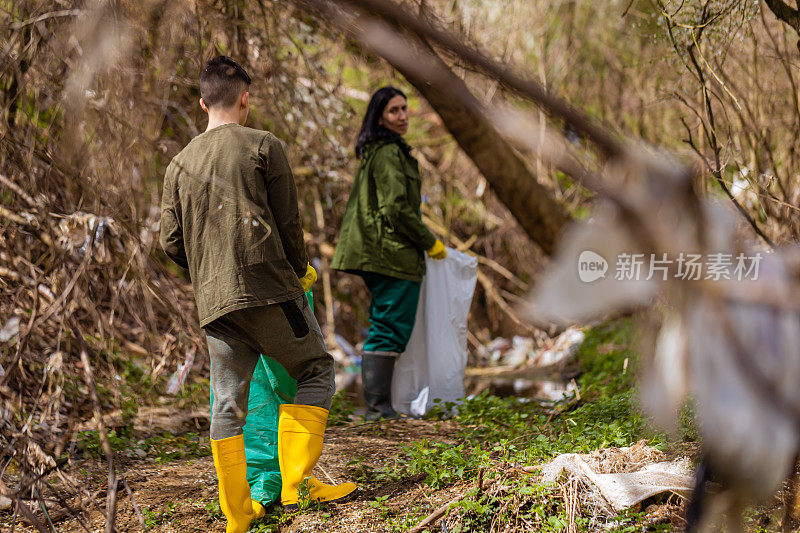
{"x": 392, "y": 312}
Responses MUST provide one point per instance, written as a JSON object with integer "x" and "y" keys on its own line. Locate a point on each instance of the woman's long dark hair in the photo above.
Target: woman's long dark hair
{"x": 371, "y": 130}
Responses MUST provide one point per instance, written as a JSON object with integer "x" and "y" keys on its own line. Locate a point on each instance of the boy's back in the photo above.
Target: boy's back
{"x": 230, "y": 200}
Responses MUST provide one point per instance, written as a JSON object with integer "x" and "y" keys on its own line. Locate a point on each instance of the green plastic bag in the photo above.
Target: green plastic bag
{"x": 270, "y": 387}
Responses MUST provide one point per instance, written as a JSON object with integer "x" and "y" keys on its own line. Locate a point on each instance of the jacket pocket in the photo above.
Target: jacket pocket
{"x": 295, "y": 318}
{"x": 400, "y": 255}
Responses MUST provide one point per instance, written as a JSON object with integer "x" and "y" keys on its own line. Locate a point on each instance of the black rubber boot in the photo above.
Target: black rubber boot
{"x": 376, "y": 378}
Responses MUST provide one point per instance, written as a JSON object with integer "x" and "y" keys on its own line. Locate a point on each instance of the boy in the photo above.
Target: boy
{"x": 230, "y": 215}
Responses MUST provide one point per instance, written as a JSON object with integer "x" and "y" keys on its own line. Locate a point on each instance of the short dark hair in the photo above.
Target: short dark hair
{"x": 371, "y": 129}
{"x": 222, "y": 81}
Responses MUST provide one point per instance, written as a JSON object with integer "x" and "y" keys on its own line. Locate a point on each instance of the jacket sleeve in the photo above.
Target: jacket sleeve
{"x": 171, "y": 232}
{"x": 393, "y": 204}
{"x": 282, "y": 200}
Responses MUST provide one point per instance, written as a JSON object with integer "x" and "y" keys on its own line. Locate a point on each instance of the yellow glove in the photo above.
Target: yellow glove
{"x": 438, "y": 251}
{"x": 308, "y": 280}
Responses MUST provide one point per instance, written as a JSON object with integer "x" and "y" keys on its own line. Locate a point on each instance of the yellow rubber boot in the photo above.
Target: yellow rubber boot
{"x": 258, "y": 510}
{"x": 234, "y": 492}
{"x": 301, "y": 429}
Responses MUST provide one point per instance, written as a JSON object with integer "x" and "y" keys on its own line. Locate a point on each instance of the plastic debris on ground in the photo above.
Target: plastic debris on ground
{"x": 177, "y": 379}
{"x": 10, "y": 329}
{"x": 494, "y": 351}
{"x": 522, "y": 350}
{"x": 81, "y": 231}
{"x": 564, "y": 347}
{"x": 556, "y": 391}
{"x": 518, "y": 368}
{"x": 614, "y": 479}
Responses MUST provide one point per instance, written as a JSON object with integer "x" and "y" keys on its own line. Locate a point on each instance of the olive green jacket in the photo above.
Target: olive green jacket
{"x": 382, "y": 230}
{"x": 229, "y": 214}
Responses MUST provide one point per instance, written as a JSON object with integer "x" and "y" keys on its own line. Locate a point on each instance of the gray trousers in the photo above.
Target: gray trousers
{"x": 289, "y": 333}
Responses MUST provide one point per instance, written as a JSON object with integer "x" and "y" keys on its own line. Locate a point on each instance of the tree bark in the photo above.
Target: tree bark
{"x": 785, "y": 12}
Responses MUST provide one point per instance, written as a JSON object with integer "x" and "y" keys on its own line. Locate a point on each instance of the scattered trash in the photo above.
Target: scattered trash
{"x": 80, "y": 231}
{"x": 564, "y": 347}
{"x": 521, "y": 370}
{"x": 556, "y": 391}
{"x": 179, "y": 377}
{"x": 522, "y": 348}
{"x": 10, "y": 330}
{"x": 614, "y": 479}
{"x": 495, "y": 349}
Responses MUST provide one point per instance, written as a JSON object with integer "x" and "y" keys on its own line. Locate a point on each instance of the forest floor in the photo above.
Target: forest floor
{"x": 407, "y": 469}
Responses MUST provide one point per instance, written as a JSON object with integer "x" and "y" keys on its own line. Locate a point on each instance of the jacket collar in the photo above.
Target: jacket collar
{"x": 399, "y": 141}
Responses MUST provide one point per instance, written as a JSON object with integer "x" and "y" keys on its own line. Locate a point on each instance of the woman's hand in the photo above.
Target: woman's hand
{"x": 437, "y": 251}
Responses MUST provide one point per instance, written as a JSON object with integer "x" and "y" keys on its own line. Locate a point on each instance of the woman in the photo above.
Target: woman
{"x": 383, "y": 240}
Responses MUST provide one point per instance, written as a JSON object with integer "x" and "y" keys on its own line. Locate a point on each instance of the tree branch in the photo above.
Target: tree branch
{"x": 785, "y": 12}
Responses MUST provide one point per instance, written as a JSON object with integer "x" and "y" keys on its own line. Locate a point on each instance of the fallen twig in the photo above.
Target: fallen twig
{"x": 17, "y": 190}
{"x": 27, "y": 513}
{"x": 111, "y": 497}
{"x": 12, "y": 216}
{"x": 442, "y": 510}
{"x": 133, "y": 502}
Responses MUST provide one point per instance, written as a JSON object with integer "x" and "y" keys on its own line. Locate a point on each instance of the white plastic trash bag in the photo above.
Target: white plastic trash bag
{"x": 434, "y": 363}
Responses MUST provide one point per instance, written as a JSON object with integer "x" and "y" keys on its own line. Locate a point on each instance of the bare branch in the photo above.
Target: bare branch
{"x": 526, "y": 87}
{"x": 785, "y": 12}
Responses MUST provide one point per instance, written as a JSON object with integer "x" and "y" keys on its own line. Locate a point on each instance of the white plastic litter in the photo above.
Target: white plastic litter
{"x": 10, "y": 330}
{"x": 434, "y": 363}
{"x": 81, "y": 232}
{"x": 565, "y": 347}
{"x": 555, "y": 391}
{"x": 624, "y": 490}
{"x": 522, "y": 348}
{"x": 179, "y": 377}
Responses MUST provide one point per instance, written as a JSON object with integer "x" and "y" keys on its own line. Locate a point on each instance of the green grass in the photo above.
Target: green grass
{"x": 341, "y": 409}
{"x": 154, "y": 516}
{"x": 162, "y": 448}
{"x": 517, "y": 431}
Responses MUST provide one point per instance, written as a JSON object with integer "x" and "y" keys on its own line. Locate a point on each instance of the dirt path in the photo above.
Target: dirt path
{"x": 180, "y": 496}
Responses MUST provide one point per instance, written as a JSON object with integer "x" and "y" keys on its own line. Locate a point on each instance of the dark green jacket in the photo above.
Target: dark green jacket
{"x": 229, "y": 214}
{"x": 382, "y": 230}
